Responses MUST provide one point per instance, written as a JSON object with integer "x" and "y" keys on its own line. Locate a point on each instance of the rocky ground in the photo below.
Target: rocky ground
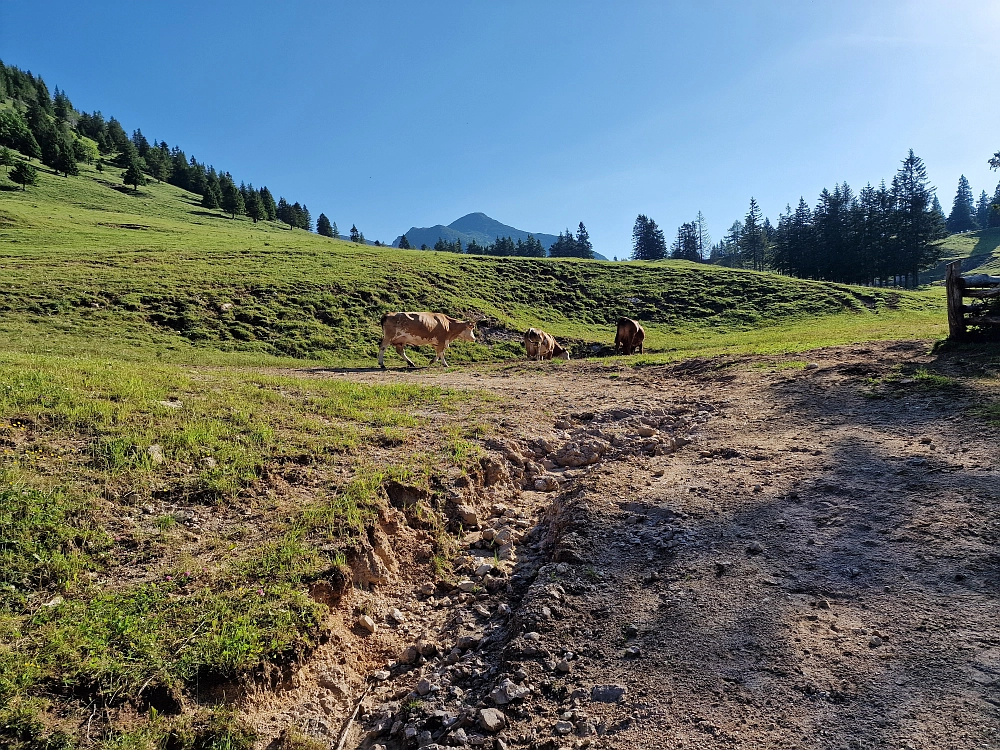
{"x": 746, "y": 553}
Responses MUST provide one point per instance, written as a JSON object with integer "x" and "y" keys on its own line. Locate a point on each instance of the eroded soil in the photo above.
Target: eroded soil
{"x": 816, "y": 568}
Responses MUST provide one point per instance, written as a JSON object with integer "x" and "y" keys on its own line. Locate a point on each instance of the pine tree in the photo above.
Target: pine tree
{"x": 355, "y": 234}
{"x": 24, "y": 174}
{"x": 404, "y": 244}
{"x": 133, "y": 175}
{"x": 336, "y": 231}
{"x": 254, "y": 205}
{"x": 267, "y": 200}
{"x": 584, "y": 247}
{"x": 685, "y": 247}
{"x": 323, "y": 226}
{"x": 704, "y": 238}
{"x": 983, "y": 210}
{"x": 232, "y": 200}
{"x": 753, "y": 240}
{"x": 6, "y": 158}
{"x": 648, "y": 242}
{"x": 963, "y": 212}
{"x": 305, "y": 220}
{"x": 66, "y": 161}
{"x": 917, "y": 225}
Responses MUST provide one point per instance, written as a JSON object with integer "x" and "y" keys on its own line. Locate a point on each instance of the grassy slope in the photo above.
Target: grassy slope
{"x": 73, "y": 280}
{"x": 101, "y": 575}
{"x": 977, "y": 251}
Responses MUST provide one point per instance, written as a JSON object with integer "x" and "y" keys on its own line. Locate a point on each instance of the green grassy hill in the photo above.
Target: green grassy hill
{"x": 88, "y": 266}
{"x": 977, "y": 251}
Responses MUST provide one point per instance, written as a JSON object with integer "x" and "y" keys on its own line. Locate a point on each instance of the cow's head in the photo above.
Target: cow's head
{"x": 468, "y": 332}
{"x": 560, "y": 353}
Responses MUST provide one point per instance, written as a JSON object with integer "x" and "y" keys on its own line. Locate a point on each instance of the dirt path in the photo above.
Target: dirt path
{"x": 818, "y": 567}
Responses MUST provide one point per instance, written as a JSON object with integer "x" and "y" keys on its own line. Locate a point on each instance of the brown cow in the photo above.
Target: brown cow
{"x": 400, "y": 329}
{"x": 629, "y": 337}
{"x": 540, "y": 345}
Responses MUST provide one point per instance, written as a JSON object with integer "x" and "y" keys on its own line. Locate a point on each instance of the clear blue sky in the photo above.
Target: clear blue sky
{"x": 540, "y": 114}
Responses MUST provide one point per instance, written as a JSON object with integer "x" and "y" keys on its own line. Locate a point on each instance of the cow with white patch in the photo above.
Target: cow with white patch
{"x": 539, "y": 345}
{"x": 401, "y": 329}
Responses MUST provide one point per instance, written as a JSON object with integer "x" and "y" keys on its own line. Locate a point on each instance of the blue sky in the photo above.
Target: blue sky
{"x": 540, "y": 114}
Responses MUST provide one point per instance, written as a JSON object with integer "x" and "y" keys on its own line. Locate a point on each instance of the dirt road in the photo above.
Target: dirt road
{"x": 743, "y": 553}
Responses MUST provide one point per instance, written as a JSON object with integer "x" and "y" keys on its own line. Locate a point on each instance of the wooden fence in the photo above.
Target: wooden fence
{"x": 984, "y": 311}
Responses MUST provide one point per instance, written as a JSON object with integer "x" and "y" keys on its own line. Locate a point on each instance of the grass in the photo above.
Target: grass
{"x": 166, "y": 502}
{"x": 976, "y": 250}
{"x": 193, "y": 286}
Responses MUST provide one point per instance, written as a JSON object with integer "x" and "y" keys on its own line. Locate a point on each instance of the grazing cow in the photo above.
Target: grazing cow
{"x": 540, "y": 345}
{"x": 629, "y": 337}
{"x": 400, "y": 329}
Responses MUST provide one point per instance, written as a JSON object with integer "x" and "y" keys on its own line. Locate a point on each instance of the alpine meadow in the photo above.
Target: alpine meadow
{"x": 769, "y": 523}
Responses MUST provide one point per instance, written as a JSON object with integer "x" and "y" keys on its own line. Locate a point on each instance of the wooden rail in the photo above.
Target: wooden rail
{"x": 978, "y": 286}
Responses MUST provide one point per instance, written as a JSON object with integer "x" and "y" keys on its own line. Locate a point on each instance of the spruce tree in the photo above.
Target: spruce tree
{"x": 584, "y": 247}
{"x": 917, "y": 225}
{"x": 685, "y": 247}
{"x": 753, "y": 240}
{"x": 254, "y": 205}
{"x": 284, "y": 212}
{"x": 983, "y": 210}
{"x": 323, "y": 226}
{"x": 6, "y": 158}
{"x": 66, "y": 161}
{"x": 994, "y": 217}
{"x": 268, "y": 202}
{"x": 404, "y": 244}
{"x": 648, "y": 242}
{"x": 963, "y": 211}
{"x": 24, "y": 174}
{"x": 336, "y": 231}
{"x": 232, "y": 200}
{"x": 356, "y": 235}
{"x": 133, "y": 175}
{"x": 704, "y": 238}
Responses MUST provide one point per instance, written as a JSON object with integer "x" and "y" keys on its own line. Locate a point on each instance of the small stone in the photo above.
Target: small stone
{"x": 812, "y": 366}
{"x": 632, "y": 652}
{"x": 722, "y": 567}
{"x": 367, "y": 623}
{"x": 171, "y": 404}
{"x": 546, "y": 484}
{"x": 155, "y": 452}
{"x": 755, "y": 548}
{"x": 226, "y": 306}
{"x": 874, "y": 641}
{"x": 562, "y": 569}
{"x": 504, "y": 536}
{"x": 208, "y": 462}
{"x": 489, "y": 534}
{"x": 466, "y": 585}
{"x": 468, "y": 516}
{"x": 631, "y": 631}
{"x": 424, "y": 686}
{"x": 562, "y": 728}
{"x": 428, "y": 589}
{"x": 424, "y": 739}
{"x": 467, "y": 642}
{"x": 758, "y": 488}
{"x": 484, "y": 569}
{"x": 823, "y": 604}
{"x": 396, "y": 615}
{"x": 459, "y": 737}
{"x": 646, "y": 432}
{"x": 427, "y": 649}
{"x": 491, "y": 720}
{"x": 382, "y": 675}
{"x": 409, "y": 655}
{"x": 563, "y": 666}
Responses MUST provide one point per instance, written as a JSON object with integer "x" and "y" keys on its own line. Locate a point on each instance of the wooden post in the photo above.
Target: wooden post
{"x": 956, "y": 316}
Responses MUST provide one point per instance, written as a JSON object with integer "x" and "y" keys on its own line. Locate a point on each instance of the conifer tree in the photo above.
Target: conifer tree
{"x": 917, "y": 225}
{"x": 685, "y": 247}
{"x": 133, "y": 172}
{"x": 983, "y": 210}
{"x": 963, "y": 211}
{"x": 584, "y": 247}
{"x": 232, "y": 200}
{"x": 254, "y": 205}
{"x": 66, "y": 161}
{"x": 355, "y": 234}
{"x": 323, "y": 226}
{"x": 6, "y": 158}
{"x": 404, "y": 244}
{"x": 994, "y": 218}
{"x": 267, "y": 200}
{"x": 648, "y": 242}
{"x": 704, "y": 238}
{"x": 753, "y": 240}
{"x": 336, "y": 231}
{"x": 24, "y": 174}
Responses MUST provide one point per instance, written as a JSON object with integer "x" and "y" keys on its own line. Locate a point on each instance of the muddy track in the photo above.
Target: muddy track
{"x": 723, "y": 553}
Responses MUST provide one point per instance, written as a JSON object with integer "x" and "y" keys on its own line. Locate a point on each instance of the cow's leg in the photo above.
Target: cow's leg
{"x": 400, "y": 349}
{"x": 639, "y": 348}
{"x": 443, "y": 360}
{"x": 381, "y": 354}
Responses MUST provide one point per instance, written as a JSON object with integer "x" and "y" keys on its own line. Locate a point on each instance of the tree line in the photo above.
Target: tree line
{"x": 45, "y": 126}
{"x": 567, "y": 245}
{"x": 881, "y": 235}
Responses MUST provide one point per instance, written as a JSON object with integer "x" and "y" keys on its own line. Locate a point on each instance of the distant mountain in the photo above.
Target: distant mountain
{"x": 478, "y": 227}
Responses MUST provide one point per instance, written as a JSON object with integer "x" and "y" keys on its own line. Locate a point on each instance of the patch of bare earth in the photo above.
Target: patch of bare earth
{"x": 721, "y": 553}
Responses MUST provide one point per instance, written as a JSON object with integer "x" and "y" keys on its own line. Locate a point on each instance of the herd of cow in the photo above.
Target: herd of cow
{"x": 402, "y": 329}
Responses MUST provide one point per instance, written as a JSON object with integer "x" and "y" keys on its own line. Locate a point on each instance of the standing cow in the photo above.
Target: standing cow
{"x": 540, "y": 345}
{"x": 400, "y": 329}
{"x": 629, "y": 337}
